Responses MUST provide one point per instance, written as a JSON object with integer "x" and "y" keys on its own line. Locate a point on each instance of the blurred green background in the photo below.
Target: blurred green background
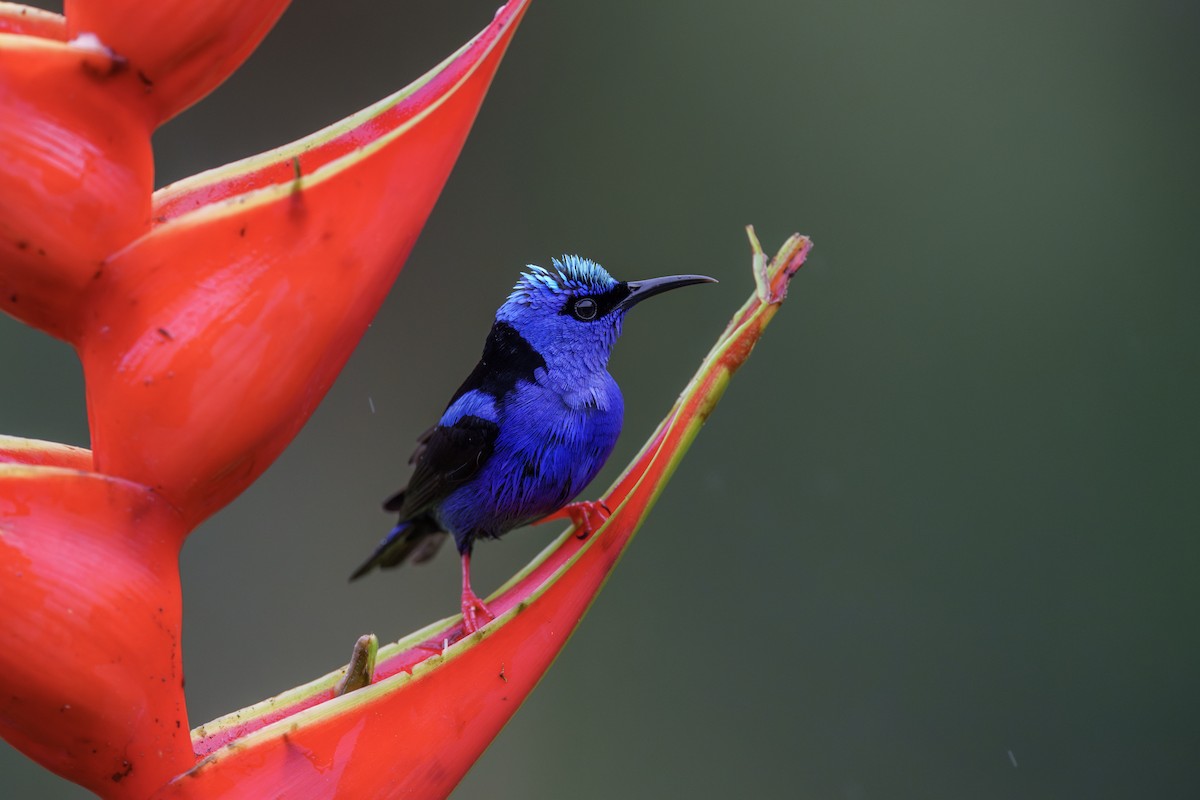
{"x": 939, "y": 540}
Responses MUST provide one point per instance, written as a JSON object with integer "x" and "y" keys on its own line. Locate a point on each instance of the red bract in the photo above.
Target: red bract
{"x": 91, "y": 666}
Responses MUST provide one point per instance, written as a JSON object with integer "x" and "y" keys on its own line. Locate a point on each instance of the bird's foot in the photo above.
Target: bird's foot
{"x": 475, "y": 613}
{"x": 586, "y": 515}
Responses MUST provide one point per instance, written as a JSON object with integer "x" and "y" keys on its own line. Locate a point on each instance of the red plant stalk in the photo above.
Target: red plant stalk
{"x": 210, "y": 318}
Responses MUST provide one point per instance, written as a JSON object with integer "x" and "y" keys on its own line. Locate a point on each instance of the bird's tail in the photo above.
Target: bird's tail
{"x": 415, "y": 540}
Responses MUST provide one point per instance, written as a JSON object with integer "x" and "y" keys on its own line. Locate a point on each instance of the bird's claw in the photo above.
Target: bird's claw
{"x": 475, "y": 613}
{"x": 587, "y": 516}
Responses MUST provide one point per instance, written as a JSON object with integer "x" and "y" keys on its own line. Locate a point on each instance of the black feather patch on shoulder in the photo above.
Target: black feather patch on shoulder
{"x": 507, "y": 358}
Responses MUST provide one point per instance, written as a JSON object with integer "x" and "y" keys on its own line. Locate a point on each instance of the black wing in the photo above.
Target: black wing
{"x": 419, "y": 450}
{"x": 447, "y": 456}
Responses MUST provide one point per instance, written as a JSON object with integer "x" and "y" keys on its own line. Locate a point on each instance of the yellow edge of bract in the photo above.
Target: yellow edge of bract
{"x": 19, "y": 471}
{"x": 315, "y": 686}
{"x": 19, "y": 11}
{"x": 20, "y": 443}
{"x": 23, "y": 41}
{"x": 347, "y": 702}
{"x": 280, "y": 191}
{"x": 41, "y": 472}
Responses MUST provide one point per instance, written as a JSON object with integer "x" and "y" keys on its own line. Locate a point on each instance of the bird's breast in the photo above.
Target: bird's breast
{"x": 550, "y": 447}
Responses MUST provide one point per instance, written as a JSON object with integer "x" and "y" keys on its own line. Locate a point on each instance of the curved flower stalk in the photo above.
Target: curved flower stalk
{"x": 431, "y": 710}
{"x": 210, "y": 317}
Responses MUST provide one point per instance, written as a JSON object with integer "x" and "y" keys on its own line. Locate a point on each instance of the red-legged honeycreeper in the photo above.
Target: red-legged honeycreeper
{"x": 530, "y": 426}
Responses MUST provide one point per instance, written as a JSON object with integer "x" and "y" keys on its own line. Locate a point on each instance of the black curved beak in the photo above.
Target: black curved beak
{"x": 640, "y": 290}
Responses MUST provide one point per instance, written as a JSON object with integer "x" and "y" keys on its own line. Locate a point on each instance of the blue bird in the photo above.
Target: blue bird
{"x": 529, "y": 428}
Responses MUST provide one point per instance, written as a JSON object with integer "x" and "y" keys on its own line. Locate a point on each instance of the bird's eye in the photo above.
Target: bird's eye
{"x": 585, "y": 308}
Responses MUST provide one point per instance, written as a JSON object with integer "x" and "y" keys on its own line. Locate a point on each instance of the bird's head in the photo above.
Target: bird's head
{"x": 573, "y": 313}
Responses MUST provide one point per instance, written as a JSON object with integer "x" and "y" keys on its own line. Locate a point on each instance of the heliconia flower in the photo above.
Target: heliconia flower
{"x": 211, "y": 317}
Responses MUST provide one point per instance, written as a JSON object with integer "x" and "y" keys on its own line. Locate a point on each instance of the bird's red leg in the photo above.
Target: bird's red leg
{"x": 587, "y": 515}
{"x": 473, "y": 608}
